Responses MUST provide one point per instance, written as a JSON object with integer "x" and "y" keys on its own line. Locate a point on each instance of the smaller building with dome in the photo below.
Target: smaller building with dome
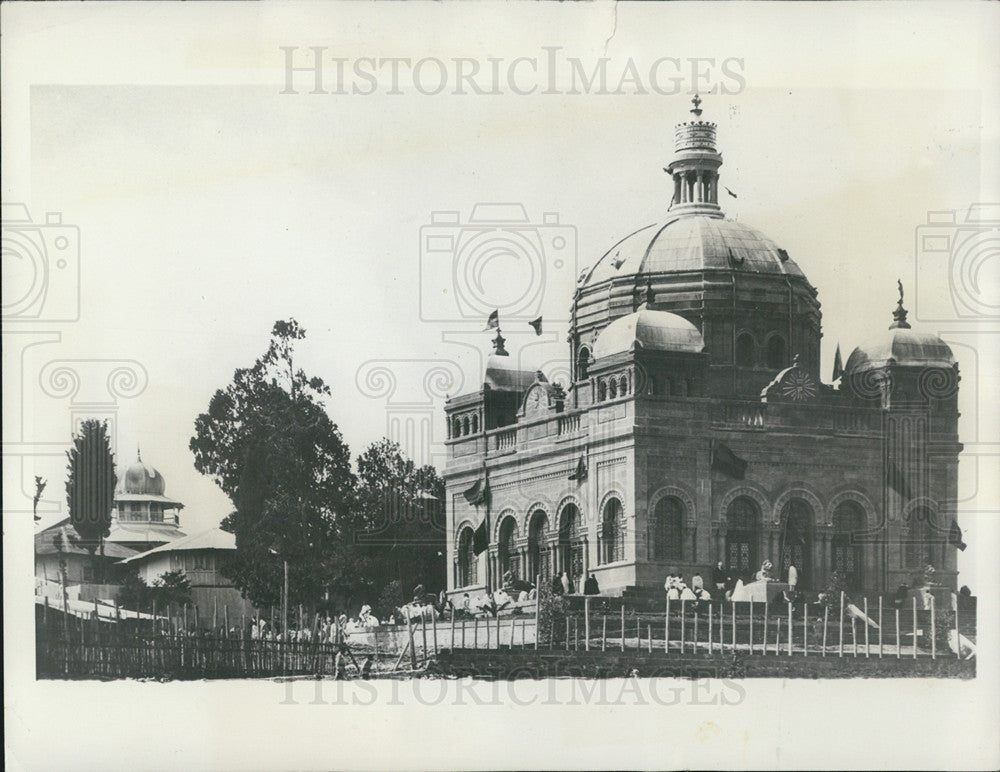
{"x": 696, "y": 426}
{"x": 144, "y": 517}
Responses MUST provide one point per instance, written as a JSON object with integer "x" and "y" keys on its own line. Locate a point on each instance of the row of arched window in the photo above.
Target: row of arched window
{"x": 748, "y": 354}
{"x": 921, "y": 542}
{"x": 462, "y": 426}
{"x": 612, "y": 387}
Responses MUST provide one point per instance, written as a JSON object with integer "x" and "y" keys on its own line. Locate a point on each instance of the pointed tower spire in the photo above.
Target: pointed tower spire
{"x": 138, "y": 453}
{"x": 899, "y": 314}
{"x": 695, "y": 166}
{"x": 838, "y": 364}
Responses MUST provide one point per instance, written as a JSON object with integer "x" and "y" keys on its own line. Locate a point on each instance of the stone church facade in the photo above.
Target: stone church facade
{"x": 697, "y": 428}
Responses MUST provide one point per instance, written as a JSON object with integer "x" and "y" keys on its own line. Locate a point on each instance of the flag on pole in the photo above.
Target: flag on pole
{"x": 955, "y": 536}
{"x": 730, "y": 192}
{"x": 727, "y": 462}
{"x": 581, "y": 470}
{"x": 477, "y": 494}
{"x": 480, "y": 539}
{"x": 493, "y": 321}
{"x": 537, "y": 325}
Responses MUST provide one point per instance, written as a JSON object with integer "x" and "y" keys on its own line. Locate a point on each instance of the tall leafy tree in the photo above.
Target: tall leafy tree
{"x": 403, "y": 516}
{"x": 90, "y": 485}
{"x": 270, "y": 445}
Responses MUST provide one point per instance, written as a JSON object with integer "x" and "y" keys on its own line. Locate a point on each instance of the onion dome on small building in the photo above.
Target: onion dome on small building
{"x": 144, "y": 515}
{"x": 901, "y": 346}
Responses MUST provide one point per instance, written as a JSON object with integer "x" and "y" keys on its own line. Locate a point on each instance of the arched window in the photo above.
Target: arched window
{"x": 742, "y": 523}
{"x": 776, "y": 352}
{"x": 846, "y": 557}
{"x": 467, "y": 562}
{"x": 465, "y": 426}
{"x": 796, "y": 539}
{"x": 475, "y": 424}
{"x": 583, "y": 363}
{"x": 612, "y": 388}
{"x": 602, "y": 391}
{"x": 539, "y": 556}
{"x": 921, "y": 539}
{"x": 667, "y": 530}
{"x": 456, "y": 427}
{"x": 570, "y": 544}
{"x": 623, "y": 385}
{"x": 506, "y": 551}
{"x": 612, "y": 547}
{"x": 746, "y": 350}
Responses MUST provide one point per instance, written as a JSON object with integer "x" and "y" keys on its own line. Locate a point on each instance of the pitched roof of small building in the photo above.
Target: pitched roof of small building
{"x": 45, "y": 545}
{"x": 210, "y": 539}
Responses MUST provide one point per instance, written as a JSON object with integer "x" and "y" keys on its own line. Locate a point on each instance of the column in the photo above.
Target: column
{"x": 699, "y": 187}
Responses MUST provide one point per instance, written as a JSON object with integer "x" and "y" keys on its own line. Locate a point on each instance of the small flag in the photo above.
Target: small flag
{"x": 955, "y": 536}
{"x": 493, "y": 321}
{"x": 477, "y": 494}
{"x": 727, "y": 462}
{"x": 537, "y": 325}
{"x": 730, "y": 192}
{"x": 581, "y": 470}
{"x": 838, "y": 365}
{"x": 895, "y": 480}
{"x": 479, "y": 539}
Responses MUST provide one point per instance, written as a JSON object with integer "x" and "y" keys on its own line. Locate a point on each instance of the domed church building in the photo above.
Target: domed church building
{"x": 143, "y": 516}
{"x": 697, "y": 427}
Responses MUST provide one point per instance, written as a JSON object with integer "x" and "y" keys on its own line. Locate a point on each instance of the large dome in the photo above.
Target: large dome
{"x": 692, "y": 243}
{"x": 141, "y": 479}
{"x": 650, "y": 331}
{"x": 902, "y": 347}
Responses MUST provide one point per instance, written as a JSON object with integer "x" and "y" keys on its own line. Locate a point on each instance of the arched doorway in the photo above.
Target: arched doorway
{"x": 507, "y": 556}
{"x": 539, "y": 556}
{"x": 612, "y": 546}
{"x": 742, "y": 524}
{"x": 796, "y": 540}
{"x": 571, "y": 544}
{"x": 667, "y": 530}
{"x": 467, "y": 561}
{"x": 846, "y": 557}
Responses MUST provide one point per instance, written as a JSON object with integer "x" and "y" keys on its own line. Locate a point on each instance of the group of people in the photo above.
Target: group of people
{"x": 563, "y": 585}
{"x": 677, "y": 589}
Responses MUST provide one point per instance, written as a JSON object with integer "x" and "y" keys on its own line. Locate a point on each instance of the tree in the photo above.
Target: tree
{"x": 270, "y": 445}
{"x": 90, "y": 485}
{"x": 402, "y": 513}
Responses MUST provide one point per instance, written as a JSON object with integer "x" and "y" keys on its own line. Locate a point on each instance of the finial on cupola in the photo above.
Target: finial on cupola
{"x": 899, "y": 314}
{"x": 696, "y": 110}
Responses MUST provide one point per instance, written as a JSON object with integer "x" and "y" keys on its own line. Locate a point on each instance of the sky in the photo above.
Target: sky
{"x": 209, "y": 203}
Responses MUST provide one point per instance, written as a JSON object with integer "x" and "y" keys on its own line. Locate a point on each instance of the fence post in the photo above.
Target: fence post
{"x": 215, "y": 615}
{"x": 867, "y": 648}
{"x": 789, "y": 628}
{"x": 958, "y": 635}
{"x": 586, "y": 623}
{"x": 512, "y": 618}
{"x": 826, "y": 616}
{"x": 434, "y": 632}
{"x": 933, "y": 630}
{"x": 649, "y": 638}
{"x": 475, "y": 632}
{"x": 452, "y": 629}
{"x": 666, "y": 628}
{"x": 604, "y": 632}
{"x": 710, "y": 604}
{"x": 538, "y": 602}
{"x": 751, "y": 627}
{"x": 898, "y": 645}
{"x": 623, "y": 626}
{"x": 413, "y": 643}
{"x": 767, "y": 608}
{"x": 734, "y": 627}
{"x": 841, "y": 645}
{"x": 683, "y": 623}
{"x": 567, "y": 632}
{"x": 805, "y": 629}
{"x": 880, "y": 627}
{"x": 695, "y": 641}
{"x": 914, "y": 626}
